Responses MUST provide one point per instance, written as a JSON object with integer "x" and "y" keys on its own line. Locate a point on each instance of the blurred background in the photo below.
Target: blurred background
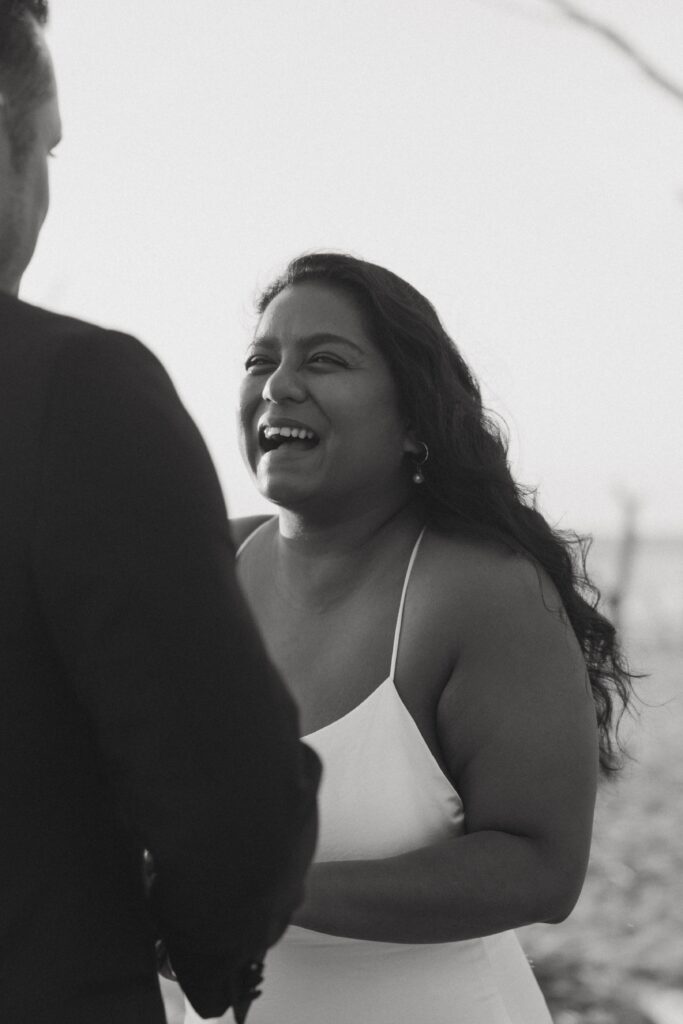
{"x": 521, "y": 163}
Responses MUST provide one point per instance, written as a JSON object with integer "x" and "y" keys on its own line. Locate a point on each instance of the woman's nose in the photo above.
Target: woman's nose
{"x": 284, "y": 384}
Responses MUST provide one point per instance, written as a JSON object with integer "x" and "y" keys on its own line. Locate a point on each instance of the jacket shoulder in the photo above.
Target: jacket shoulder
{"x": 35, "y": 330}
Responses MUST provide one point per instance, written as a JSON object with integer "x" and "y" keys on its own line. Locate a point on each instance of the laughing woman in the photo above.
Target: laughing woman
{"x": 443, "y": 646}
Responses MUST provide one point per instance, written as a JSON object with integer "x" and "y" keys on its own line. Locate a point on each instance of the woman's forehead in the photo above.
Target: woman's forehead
{"x": 311, "y": 308}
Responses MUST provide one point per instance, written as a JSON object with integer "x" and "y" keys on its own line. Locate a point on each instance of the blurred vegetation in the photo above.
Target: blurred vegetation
{"x": 625, "y": 936}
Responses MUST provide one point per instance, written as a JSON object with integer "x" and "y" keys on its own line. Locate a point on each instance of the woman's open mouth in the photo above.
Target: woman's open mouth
{"x": 289, "y": 438}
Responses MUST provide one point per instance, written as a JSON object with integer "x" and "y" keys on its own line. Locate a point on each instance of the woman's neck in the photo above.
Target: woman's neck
{"x": 321, "y": 561}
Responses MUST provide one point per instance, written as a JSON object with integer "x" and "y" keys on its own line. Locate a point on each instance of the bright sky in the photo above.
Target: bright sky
{"x": 508, "y": 163}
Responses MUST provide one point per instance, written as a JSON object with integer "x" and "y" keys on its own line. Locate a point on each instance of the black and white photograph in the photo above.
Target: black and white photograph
{"x": 341, "y": 512}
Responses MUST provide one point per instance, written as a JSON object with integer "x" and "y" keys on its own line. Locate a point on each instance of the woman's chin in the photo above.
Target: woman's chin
{"x": 286, "y": 493}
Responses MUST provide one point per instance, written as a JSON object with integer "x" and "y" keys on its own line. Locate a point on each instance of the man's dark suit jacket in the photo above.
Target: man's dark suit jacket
{"x": 137, "y": 708}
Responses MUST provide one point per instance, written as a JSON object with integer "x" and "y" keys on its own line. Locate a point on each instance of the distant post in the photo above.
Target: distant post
{"x": 626, "y": 550}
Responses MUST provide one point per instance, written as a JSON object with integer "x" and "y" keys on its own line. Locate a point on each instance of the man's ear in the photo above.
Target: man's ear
{"x": 4, "y": 141}
{"x": 5, "y": 151}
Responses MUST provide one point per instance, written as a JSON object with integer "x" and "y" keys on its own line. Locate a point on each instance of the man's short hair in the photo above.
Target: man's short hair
{"x": 25, "y": 80}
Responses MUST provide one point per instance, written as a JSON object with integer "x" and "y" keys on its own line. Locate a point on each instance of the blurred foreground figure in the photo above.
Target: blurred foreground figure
{"x": 137, "y": 707}
{"x": 444, "y": 648}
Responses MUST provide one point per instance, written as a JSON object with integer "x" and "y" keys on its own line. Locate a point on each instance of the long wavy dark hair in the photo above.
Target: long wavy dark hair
{"x": 468, "y": 485}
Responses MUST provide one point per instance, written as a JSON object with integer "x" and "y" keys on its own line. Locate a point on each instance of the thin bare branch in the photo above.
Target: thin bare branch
{"x": 621, "y": 43}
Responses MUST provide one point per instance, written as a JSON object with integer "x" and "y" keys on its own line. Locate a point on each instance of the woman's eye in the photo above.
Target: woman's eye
{"x": 257, "y": 364}
{"x": 324, "y": 358}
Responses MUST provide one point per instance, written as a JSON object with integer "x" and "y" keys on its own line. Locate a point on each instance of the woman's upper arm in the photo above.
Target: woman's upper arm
{"x": 516, "y": 720}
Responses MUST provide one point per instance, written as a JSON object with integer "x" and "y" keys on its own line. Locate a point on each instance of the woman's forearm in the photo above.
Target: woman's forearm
{"x": 475, "y": 885}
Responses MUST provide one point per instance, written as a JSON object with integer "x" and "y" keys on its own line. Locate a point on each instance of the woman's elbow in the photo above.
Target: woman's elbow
{"x": 557, "y": 883}
{"x": 559, "y": 914}
{"x": 560, "y": 897}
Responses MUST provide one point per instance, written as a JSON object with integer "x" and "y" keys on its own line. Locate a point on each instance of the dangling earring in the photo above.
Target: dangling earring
{"x": 418, "y": 477}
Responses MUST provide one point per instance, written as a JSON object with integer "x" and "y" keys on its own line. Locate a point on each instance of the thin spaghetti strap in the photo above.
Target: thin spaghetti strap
{"x": 399, "y": 617}
{"x": 251, "y": 537}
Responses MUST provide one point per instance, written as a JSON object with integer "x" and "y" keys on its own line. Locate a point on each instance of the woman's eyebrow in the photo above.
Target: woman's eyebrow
{"x": 326, "y": 336}
{"x": 309, "y": 340}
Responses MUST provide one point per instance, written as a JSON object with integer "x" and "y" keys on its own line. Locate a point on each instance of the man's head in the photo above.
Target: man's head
{"x": 30, "y": 128}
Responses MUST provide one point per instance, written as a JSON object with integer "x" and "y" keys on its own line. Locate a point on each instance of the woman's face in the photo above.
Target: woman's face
{"x": 312, "y": 368}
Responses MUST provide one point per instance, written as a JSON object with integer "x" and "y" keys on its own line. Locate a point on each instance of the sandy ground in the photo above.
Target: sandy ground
{"x": 624, "y": 940}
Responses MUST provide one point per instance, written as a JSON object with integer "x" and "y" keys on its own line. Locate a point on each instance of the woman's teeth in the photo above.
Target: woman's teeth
{"x": 298, "y": 432}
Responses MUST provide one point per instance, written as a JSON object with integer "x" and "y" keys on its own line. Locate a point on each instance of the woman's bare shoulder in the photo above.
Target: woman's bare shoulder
{"x": 519, "y": 666}
{"x": 243, "y": 526}
{"x": 481, "y": 579}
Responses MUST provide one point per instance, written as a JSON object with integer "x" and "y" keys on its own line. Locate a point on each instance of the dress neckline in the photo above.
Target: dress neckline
{"x": 406, "y": 717}
{"x": 352, "y": 711}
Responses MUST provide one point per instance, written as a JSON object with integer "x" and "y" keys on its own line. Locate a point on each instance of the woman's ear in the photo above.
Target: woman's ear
{"x": 411, "y": 446}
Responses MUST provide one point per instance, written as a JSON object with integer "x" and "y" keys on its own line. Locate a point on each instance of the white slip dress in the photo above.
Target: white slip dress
{"x": 382, "y": 794}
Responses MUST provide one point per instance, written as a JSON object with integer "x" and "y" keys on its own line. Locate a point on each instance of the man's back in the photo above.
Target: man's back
{"x": 137, "y": 709}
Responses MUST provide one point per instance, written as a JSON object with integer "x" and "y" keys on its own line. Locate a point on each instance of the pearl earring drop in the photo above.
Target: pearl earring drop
{"x": 418, "y": 476}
